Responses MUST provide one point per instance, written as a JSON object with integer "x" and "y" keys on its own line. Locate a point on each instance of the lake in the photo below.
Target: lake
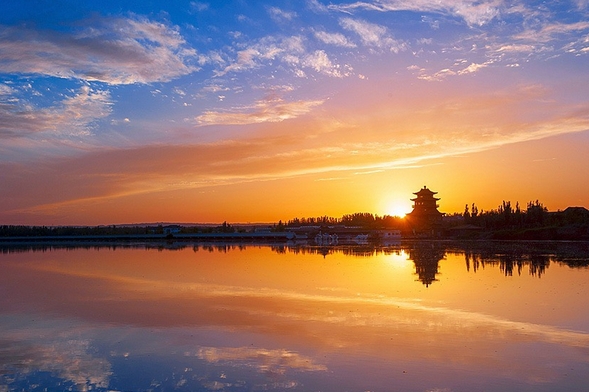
{"x": 423, "y": 316}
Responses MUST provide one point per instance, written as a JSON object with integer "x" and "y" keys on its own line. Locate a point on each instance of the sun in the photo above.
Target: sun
{"x": 399, "y": 209}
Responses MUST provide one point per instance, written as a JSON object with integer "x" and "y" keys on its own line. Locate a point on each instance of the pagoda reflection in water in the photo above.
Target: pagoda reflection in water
{"x": 426, "y": 257}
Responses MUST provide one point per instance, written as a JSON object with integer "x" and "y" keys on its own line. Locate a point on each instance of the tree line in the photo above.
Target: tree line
{"x": 359, "y": 219}
{"x": 535, "y": 215}
{"x": 59, "y": 231}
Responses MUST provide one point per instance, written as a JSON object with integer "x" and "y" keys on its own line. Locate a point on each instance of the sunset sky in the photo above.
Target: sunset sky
{"x": 254, "y": 111}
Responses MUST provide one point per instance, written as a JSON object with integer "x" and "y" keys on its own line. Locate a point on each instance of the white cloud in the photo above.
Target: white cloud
{"x": 336, "y": 39}
{"x": 246, "y": 59}
{"x": 198, "y": 6}
{"x": 266, "y": 49}
{"x": 6, "y": 89}
{"x": 472, "y": 68}
{"x": 440, "y": 75}
{"x": 214, "y": 88}
{"x": 372, "y": 34}
{"x": 71, "y": 117}
{"x": 276, "y": 87}
{"x": 290, "y": 50}
{"x": 316, "y": 6}
{"x": 548, "y": 32}
{"x": 514, "y": 48}
{"x": 116, "y": 51}
{"x": 179, "y": 91}
{"x": 212, "y": 57}
{"x": 271, "y": 110}
{"x": 320, "y": 62}
{"x": 473, "y": 12}
{"x": 279, "y": 15}
{"x": 458, "y": 68}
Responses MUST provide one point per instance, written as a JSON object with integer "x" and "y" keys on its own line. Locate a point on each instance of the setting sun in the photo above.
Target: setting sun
{"x": 398, "y": 208}
{"x": 188, "y": 112}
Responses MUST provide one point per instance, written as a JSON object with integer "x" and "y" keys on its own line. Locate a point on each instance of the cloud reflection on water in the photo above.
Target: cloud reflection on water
{"x": 251, "y": 321}
{"x": 33, "y": 344}
{"x": 263, "y": 360}
{"x": 374, "y": 311}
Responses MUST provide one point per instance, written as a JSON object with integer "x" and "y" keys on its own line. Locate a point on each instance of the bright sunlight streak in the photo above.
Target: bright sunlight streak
{"x": 399, "y": 209}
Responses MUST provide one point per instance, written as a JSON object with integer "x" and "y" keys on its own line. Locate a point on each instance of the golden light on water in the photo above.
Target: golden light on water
{"x": 399, "y": 260}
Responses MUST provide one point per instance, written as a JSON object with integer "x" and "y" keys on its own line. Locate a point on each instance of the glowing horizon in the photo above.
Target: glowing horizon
{"x": 228, "y": 111}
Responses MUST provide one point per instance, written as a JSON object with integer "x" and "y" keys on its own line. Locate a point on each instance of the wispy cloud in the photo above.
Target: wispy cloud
{"x": 473, "y": 12}
{"x": 199, "y": 6}
{"x": 550, "y": 31}
{"x": 317, "y": 6}
{"x": 114, "y": 51}
{"x": 336, "y": 39}
{"x": 513, "y": 48}
{"x": 320, "y": 62}
{"x": 372, "y": 35}
{"x": 456, "y": 69}
{"x": 474, "y": 67}
{"x": 279, "y": 15}
{"x": 291, "y": 52}
{"x": 72, "y": 116}
{"x": 266, "y": 49}
{"x": 5, "y": 90}
{"x": 271, "y": 110}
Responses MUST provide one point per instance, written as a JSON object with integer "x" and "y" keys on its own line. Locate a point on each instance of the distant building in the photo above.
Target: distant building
{"x": 172, "y": 229}
{"x": 425, "y": 218}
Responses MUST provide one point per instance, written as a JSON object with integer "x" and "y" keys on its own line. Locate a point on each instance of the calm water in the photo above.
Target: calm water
{"x": 421, "y": 317}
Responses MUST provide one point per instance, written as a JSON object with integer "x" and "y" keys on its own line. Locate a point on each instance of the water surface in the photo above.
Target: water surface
{"x": 414, "y": 317}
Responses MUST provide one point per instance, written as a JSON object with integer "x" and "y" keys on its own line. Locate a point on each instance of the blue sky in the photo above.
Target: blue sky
{"x": 298, "y": 93}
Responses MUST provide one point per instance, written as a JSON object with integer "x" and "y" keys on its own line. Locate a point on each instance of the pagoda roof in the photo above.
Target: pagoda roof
{"x": 421, "y": 197}
{"x": 424, "y": 191}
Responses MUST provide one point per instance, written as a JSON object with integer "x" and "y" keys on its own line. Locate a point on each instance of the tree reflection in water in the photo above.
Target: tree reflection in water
{"x": 509, "y": 256}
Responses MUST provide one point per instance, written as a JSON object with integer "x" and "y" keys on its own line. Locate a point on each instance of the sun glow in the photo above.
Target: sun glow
{"x": 399, "y": 259}
{"x": 399, "y": 209}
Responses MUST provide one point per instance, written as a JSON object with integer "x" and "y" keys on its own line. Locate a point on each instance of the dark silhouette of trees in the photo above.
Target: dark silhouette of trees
{"x": 508, "y": 217}
{"x": 360, "y": 219}
{"x": 535, "y": 222}
{"x": 225, "y": 228}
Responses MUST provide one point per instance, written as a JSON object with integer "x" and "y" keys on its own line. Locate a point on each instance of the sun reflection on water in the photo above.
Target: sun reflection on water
{"x": 399, "y": 259}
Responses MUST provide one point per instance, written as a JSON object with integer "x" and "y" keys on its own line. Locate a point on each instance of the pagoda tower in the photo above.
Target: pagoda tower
{"x": 425, "y": 214}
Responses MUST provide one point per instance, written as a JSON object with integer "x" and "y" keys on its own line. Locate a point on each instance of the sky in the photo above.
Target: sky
{"x": 257, "y": 111}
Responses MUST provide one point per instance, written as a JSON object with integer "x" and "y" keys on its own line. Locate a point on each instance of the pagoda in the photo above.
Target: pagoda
{"x": 425, "y": 215}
